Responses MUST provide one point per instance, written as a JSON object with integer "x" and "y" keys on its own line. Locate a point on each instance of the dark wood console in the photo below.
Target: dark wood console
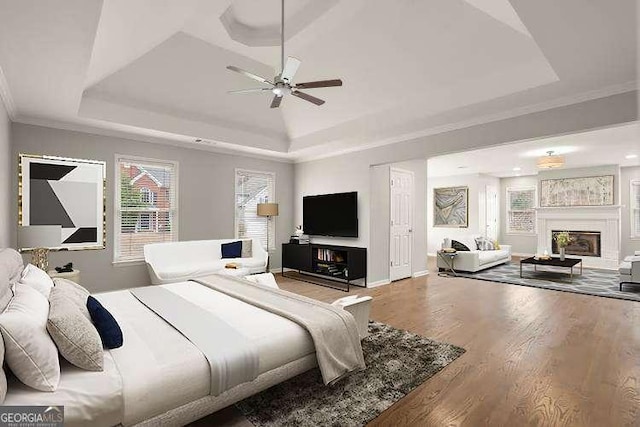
{"x": 337, "y": 264}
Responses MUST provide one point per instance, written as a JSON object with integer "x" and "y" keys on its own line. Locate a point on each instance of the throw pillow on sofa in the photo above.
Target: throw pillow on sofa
{"x": 232, "y": 250}
{"x": 247, "y": 249}
{"x": 484, "y": 244}
{"x": 459, "y": 246}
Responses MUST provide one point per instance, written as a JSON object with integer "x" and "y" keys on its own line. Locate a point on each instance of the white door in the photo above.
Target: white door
{"x": 401, "y": 223}
{"x": 492, "y": 212}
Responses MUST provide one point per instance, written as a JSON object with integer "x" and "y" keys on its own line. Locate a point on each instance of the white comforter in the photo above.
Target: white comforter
{"x": 158, "y": 368}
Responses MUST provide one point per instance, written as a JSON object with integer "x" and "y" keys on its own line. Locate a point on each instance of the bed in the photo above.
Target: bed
{"x": 159, "y": 376}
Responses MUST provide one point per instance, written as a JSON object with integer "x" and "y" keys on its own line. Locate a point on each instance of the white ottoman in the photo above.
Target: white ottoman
{"x": 359, "y": 307}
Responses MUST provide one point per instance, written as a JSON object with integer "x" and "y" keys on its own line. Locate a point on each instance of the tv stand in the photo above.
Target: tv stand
{"x": 326, "y": 265}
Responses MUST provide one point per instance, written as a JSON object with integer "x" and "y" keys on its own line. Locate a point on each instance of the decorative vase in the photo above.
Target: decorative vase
{"x": 561, "y": 254}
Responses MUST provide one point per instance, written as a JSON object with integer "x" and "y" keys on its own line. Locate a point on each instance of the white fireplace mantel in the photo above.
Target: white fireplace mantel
{"x": 604, "y": 219}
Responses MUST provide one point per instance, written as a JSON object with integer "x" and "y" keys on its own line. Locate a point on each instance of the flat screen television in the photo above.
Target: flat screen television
{"x": 331, "y": 215}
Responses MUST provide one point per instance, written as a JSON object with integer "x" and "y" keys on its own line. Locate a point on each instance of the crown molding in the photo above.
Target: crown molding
{"x": 5, "y": 95}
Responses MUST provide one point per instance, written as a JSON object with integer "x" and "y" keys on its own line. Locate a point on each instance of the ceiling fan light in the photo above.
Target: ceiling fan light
{"x": 550, "y": 161}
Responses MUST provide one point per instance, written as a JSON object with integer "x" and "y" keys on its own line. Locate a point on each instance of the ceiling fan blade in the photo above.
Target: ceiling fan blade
{"x": 260, "y": 89}
{"x": 320, "y": 83}
{"x": 248, "y": 74}
{"x": 307, "y": 97}
{"x": 290, "y": 69}
{"x": 276, "y": 101}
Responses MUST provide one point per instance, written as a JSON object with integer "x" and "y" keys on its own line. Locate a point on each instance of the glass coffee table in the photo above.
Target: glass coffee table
{"x": 553, "y": 262}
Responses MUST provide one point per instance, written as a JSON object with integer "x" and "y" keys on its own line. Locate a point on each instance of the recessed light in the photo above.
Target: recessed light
{"x": 516, "y": 169}
{"x": 198, "y": 139}
{"x": 462, "y": 167}
{"x": 631, "y": 156}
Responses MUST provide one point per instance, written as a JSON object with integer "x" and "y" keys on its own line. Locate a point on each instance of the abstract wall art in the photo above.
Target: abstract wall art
{"x": 451, "y": 207}
{"x": 585, "y": 191}
{"x": 66, "y": 192}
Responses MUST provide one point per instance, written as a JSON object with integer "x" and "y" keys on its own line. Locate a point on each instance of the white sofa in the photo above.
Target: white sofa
{"x": 476, "y": 260}
{"x": 630, "y": 270}
{"x": 179, "y": 261}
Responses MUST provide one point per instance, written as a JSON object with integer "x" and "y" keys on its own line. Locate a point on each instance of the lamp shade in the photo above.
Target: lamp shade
{"x": 39, "y": 236}
{"x": 550, "y": 161}
{"x": 267, "y": 209}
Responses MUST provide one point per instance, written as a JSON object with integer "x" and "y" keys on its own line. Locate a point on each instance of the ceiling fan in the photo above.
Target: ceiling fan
{"x": 282, "y": 84}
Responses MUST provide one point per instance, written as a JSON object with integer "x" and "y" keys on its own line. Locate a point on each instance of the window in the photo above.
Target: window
{"x": 253, "y": 188}
{"x": 145, "y": 206}
{"x": 148, "y": 196}
{"x": 521, "y": 214}
{"x": 634, "y": 199}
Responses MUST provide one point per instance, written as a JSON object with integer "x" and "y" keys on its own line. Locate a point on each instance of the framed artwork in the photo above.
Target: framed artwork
{"x": 584, "y": 191}
{"x": 66, "y": 192}
{"x": 451, "y": 207}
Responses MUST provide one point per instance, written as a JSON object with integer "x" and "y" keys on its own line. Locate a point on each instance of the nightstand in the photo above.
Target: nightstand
{"x": 74, "y": 275}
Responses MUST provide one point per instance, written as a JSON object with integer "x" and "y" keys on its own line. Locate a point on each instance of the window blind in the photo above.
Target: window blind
{"x": 146, "y": 207}
{"x": 253, "y": 188}
{"x": 521, "y": 214}
{"x": 635, "y": 208}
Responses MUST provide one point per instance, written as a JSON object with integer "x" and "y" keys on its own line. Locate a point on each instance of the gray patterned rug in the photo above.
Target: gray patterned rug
{"x": 397, "y": 362}
{"x": 602, "y": 283}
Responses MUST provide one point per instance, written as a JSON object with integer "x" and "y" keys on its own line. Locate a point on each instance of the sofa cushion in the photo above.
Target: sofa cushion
{"x": 247, "y": 251}
{"x": 625, "y": 268}
{"x": 249, "y": 262}
{"x": 458, "y": 246}
{"x": 486, "y": 257}
{"x": 231, "y": 250}
{"x": 182, "y": 271}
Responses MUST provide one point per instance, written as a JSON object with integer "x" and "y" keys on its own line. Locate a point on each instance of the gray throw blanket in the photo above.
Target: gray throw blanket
{"x": 333, "y": 330}
{"x": 232, "y": 357}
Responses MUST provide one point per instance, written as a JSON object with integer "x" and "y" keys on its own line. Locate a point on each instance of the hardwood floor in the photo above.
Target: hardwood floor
{"x": 534, "y": 356}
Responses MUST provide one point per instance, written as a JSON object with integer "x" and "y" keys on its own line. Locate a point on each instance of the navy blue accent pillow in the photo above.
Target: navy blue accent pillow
{"x": 459, "y": 246}
{"x": 107, "y": 327}
{"x": 232, "y": 250}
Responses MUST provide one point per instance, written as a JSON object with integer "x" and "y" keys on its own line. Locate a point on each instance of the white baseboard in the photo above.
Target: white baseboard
{"x": 421, "y": 273}
{"x": 378, "y": 283}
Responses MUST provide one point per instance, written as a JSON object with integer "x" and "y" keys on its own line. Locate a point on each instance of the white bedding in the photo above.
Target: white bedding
{"x": 157, "y": 369}
{"x": 89, "y": 398}
{"x": 162, "y": 370}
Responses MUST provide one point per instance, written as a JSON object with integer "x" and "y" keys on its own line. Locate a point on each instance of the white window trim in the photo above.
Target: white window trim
{"x": 116, "y": 202}
{"x": 508, "y": 209}
{"x": 235, "y": 210}
{"x": 635, "y": 234}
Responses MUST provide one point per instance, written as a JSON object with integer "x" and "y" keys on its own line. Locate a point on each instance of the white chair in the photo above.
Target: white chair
{"x": 630, "y": 270}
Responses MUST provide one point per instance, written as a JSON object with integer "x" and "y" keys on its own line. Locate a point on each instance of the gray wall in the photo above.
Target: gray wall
{"x": 629, "y": 245}
{"x": 524, "y": 244}
{"x": 5, "y": 178}
{"x": 350, "y": 171}
{"x": 206, "y": 195}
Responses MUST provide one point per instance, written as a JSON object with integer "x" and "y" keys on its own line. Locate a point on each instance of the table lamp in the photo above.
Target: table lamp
{"x": 38, "y": 239}
{"x": 268, "y": 210}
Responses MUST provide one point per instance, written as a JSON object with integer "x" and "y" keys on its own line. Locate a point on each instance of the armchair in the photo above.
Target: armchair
{"x": 630, "y": 270}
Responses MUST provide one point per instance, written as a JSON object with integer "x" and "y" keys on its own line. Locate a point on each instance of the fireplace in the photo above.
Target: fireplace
{"x": 582, "y": 243}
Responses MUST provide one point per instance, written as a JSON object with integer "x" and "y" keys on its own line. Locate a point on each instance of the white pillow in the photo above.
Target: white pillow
{"x": 37, "y": 279}
{"x": 265, "y": 279}
{"x": 29, "y": 350}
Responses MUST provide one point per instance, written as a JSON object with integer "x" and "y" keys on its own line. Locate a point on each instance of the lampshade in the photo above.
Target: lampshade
{"x": 267, "y": 209}
{"x": 39, "y": 236}
{"x": 550, "y": 161}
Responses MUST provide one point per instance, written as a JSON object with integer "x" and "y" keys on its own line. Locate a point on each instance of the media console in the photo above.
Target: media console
{"x": 340, "y": 264}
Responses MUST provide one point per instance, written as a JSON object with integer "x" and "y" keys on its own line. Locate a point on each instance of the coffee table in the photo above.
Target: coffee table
{"x": 553, "y": 262}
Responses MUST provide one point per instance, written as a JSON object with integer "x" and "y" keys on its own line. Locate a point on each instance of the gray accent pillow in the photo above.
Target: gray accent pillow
{"x": 484, "y": 244}
{"x": 75, "y": 293}
{"x": 75, "y": 336}
{"x": 247, "y": 249}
